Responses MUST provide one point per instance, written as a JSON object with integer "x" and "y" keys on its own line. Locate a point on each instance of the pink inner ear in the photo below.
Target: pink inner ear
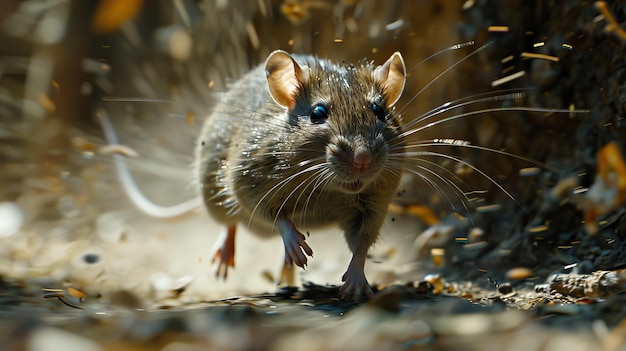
{"x": 391, "y": 76}
{"x": 284, "y": 78}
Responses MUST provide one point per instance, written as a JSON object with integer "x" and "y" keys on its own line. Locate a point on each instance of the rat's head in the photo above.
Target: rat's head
{"x": 344, "y": 114}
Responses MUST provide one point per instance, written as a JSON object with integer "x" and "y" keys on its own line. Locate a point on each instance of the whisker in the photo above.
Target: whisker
{"x": 450, "y": 48}
{"x": 465, "y": 163}
{"x": 283, "y": 183}
{"x": 512, "y": 94}
{"x": 134, "y": 99}
{"x": 291, "y": 193}
{"x": 488, "y": 110}
{"x": 435, "y": 142}
{"x": 432, "y": 183}
{"x": 462, "y": 195}
{"x": 321, "y": 178}
{"x": 466, "y": 57}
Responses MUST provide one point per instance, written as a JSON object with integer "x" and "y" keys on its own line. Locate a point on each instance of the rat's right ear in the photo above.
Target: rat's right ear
{"x": 284, "y": 78}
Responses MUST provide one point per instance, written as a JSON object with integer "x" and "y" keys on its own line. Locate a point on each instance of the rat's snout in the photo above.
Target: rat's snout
{"x": 361, "y": 159}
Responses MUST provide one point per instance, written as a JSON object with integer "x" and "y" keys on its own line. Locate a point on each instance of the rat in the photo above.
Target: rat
{"x": 301, "y": 142}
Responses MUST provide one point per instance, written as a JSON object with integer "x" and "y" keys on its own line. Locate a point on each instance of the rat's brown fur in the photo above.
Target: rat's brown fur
{"x": 258, "y": 161}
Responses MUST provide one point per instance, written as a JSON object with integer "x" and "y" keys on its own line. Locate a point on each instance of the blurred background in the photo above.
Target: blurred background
{"x": 156, "y": 68}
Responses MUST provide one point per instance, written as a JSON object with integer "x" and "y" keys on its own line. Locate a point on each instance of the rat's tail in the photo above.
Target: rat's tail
{"x": 130, "y": 186}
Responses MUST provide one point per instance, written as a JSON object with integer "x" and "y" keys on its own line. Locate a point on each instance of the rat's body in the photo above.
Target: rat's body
{"x": 301, "y": 142}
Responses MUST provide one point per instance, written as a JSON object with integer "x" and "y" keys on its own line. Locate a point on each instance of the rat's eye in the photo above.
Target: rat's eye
{"x": 379, "y": 112}
{"x": 319, "y": 114}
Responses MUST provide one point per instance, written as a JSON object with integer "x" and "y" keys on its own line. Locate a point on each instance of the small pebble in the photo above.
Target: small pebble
{"x": 505, "y": 289}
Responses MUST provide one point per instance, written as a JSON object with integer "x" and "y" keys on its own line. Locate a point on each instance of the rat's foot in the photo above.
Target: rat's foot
{"x": 355, "y": 284}
{"x": 295, "y": 243}
{"x": 224, "y": 251}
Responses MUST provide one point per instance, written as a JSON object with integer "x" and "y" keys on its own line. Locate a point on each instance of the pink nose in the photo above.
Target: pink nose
{"x": 362, "y": 160}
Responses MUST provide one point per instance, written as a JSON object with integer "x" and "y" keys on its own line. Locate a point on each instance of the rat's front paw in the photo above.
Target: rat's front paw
{"x": 355, "y": 284}
{"x": 296, "y": 248}
{"x": 224, "y": 252}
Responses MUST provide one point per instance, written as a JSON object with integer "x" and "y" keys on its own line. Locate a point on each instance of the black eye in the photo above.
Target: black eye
{"x": 379, "y": 112}
{"x": 319, "y": 114}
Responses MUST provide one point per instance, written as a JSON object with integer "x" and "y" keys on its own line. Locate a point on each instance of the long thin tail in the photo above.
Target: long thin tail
{"x": 130, "y": 186}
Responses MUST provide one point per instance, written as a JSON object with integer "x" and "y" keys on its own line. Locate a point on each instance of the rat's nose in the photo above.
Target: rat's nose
{"x": 362, "y": 160}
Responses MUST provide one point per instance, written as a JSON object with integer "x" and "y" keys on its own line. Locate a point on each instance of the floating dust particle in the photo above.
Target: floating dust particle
{"x": 290, "y": 42}
{"x": 374, "y": 50}
{"x": 118, "y": 149}
{"x": 564, "y": 187}
{"x": 337, "y": 40}
{"x": 438, "y": 255}
{"x": 519, "y": 273}
{"x": 507, "y": 79}
{"x": 475, "y": 246}
{"x": 190, "y": 118}
{"x": 539, "y": 56}
{"x": 507, "y": 70}
{"x": 46, "y": 102}
{"x": 468, "y": 4}
{"x": 498, "y": 29}
{"x": 488, "y": 208}
{"x": 253, "y": 35}
{"x": 295, "y": 12}
{"x": 613, "y": 25}
{"x": 55, "y": 85}
{"x": 211, "y": 84}
{"x": 580, "y": 190}
{"x": 567, "y": 46}
{"x": 475, "y": 235}
{"x": 539, "y": 44}
{"x": 530, "y": 171}
{"x": 538, "y": 229}
{"x": 507, "y": 59}
{"x": 83, "y": 144}
{"x": 112, "y": 14}
{"x": 394, "y": 25}
{"x": 86, "y": 89}
{"x": 76, "y": 293}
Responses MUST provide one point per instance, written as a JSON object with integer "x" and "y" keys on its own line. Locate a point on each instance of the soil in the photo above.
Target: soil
{"x": 525, "y": 252}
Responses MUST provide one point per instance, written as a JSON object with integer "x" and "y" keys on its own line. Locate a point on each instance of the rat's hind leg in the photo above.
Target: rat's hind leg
{"x": 287, "y": 275}
{"x": 295, "y": 243}
{"x": 224, "y": 251}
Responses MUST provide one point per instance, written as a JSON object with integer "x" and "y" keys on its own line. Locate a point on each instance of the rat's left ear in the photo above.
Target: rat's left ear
{"x": 391, "y": 76}
{"x": 285, "y": 77}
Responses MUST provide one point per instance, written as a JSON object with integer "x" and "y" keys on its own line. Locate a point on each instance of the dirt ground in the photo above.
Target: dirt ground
{"x": 525, "y": 251}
